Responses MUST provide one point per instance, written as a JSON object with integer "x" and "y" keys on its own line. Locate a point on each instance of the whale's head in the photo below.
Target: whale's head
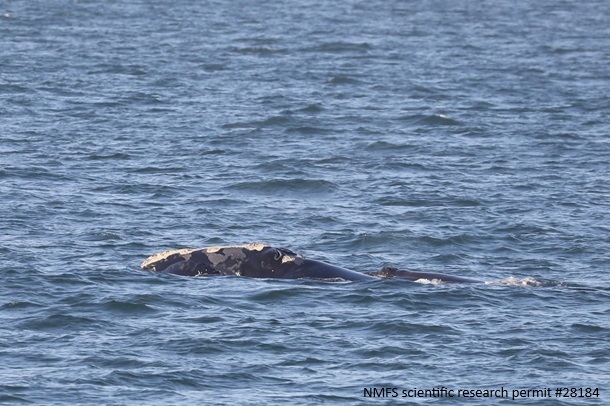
{"x": 251, "y": 260}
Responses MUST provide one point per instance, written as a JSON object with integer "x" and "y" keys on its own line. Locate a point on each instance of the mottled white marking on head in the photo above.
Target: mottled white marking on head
{"x": 162, "y": 255}
{"x": 288, "y": 258}
{"x": 258, "y": 246}
{"x": 215, "y": 256}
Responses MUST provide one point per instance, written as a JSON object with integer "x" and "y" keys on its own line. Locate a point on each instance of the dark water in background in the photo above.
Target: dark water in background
{"x": 465, "y": 137}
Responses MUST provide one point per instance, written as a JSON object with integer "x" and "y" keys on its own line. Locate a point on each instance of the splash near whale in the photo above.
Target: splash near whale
{"x": 263, "y": 261}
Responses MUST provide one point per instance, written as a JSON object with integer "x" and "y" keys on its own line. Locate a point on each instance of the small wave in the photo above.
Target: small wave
{"x": 102, "y": 235}
{"x": 259, "y": 50}
{"x": 390, "y": 146}
{"x": 315, "y": 186}
{"x": 57, "y": 322}
{"x": 342, "y": 80}
{"x": 269, "y": 122}
{"x": 114, "y": 156}
{"x": 33, "y": 173}
{"x": 313, "y": 108}
{"x": 426, "y": 202}
{"x": 160, "y": 169}
{"x": 307, "y": 130}
{"x": 128, "y": 307}
{"x": 341, "y": 46}
{"x": 526, "y": 282}
{"x": 214, "y": 67}
{"x": 275, "y": 295}
{"x": 13, "y": 89}
{"x": 430, "y": 120}
{"x": 19, "y": 305}
{"x": 589, "y": 328}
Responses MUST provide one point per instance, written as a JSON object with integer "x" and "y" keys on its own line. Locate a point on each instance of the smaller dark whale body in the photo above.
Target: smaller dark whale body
{"x": 390, "y": 272}
{"x": 263, "y": 261}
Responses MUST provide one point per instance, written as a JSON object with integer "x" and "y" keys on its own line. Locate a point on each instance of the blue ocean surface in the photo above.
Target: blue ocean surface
{"x": 470, "y": 138}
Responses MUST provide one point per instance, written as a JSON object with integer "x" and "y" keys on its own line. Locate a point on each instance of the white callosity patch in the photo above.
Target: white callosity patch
{"x": 218, "y": 257}
{"x": 231, "y": 257}
{"x": 185, "y": 251}
{"x": 288, "y": 258}
{"x": 291, "y": 257}
{"x": 257, "y": 246}
{"x": 162, "y": 255}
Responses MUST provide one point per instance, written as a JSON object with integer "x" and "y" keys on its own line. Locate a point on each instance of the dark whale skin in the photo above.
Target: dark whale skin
{"x": 263, "y": 261}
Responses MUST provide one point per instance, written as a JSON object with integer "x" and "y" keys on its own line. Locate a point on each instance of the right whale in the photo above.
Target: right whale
{"x": 263, "y": 261}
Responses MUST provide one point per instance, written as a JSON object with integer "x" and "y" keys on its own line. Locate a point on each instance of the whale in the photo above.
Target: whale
{"x": 260, "y": 260}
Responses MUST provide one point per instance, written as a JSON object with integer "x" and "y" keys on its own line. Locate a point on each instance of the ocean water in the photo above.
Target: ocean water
{"x": 464, "y": 137}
